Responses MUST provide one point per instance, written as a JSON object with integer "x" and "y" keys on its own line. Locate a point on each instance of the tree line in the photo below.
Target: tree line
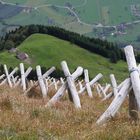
{"x": 102, "y": 47}
{"x": 98, "y": 46}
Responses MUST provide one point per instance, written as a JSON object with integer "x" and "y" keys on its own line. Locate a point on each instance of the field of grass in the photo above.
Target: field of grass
{"x": 50, "y": 51}
{"x": 47, "y": 13}
{"x": 105, "y": 15}
{"x": 119, "y": 11}
{"x": 42, "y": 2}
{"x": 23, "y": 118}
{"x": 79, "y": 28}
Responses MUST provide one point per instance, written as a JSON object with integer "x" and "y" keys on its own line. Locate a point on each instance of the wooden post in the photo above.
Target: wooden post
{"x": 2, "y": 76}
{"x": 92, "y": 82}
{"x": 98, "y": 90}
{"x": 133, "y": 107}
{"x": 108, "y": 96}
{"x": 116, "y": 103}
{"x": 47, "y": 79}
{"x": 41, "y": 81}
{"x": 71, "y": 85}
{"x": 8, "y": 76}
{"x": 51, "y": 70}
{"x": 89, "y": 91}
{"x": 46, "y": 74}
{"x": 50, "y": 80}
{"x": 62, "y": 80}
{"x": 60, "y": 92}
{"x": 28, "y": 72}
{"x": 46, "y": 83}
{"x": 25, "y": 75}
{"x": 16, "y": 78}
{"x": 22, "y": 76}
{"x": 134, "y": 72}
{"x": 114, "y": 84}
{"x": 55, "y": 84}
{"x": 106, "y": 88}
{"x": 103, "y": 91}
{"x": 111, "y": 93}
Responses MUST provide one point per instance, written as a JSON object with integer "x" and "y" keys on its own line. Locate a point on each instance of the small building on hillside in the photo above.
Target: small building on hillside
{"x": 22, "y": 56}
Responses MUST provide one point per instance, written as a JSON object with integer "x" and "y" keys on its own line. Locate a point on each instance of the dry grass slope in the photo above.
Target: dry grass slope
{"x": 23, "y": 118}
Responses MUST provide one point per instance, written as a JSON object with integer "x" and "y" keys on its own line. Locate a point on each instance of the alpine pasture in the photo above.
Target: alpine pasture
{"x": 116, "y": 21}
{"x": 42, "y": 50}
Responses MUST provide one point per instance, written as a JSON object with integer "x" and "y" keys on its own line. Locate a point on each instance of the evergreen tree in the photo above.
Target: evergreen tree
{"x": 8, "y": 45}
{"x": 113, "y": 57}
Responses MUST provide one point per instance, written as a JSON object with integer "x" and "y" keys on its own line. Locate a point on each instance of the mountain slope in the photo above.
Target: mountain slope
{"x": 49, "y": 51}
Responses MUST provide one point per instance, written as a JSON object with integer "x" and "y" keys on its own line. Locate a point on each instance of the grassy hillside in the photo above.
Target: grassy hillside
{"x": 50, "y": 51}
{"x": 25, "y": 118}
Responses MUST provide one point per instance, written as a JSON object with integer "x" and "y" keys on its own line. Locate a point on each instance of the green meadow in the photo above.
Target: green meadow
{"x": 49, "y": 51}
{"x": 89, "y": 12}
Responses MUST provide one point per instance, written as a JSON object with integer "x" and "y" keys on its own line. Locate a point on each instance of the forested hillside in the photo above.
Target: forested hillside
{"x": 103, "y": 48}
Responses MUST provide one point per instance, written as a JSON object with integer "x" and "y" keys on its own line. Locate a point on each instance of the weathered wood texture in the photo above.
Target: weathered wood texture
{"x": 61, "y": 90}
{"x": 23, "y": 81}
{"x": 92, "y": 82}
{"x": 71, "y": 85}
{"x": 114, "y": 84}
{"x": 88, "y": 88}
{"x": 116, "y": 103}
{"x": 52, "y": 69}
{"x": 41, "y": 81}
{"x": 8, "y": 76}
{"x": 134, "y": 73}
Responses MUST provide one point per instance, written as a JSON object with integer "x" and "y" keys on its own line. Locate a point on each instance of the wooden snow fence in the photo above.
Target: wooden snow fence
{"x": 24, "y": 76}
{"x": 8, "y": 77}
{"x": 70, "y": 84}
{"x": 74, "y": 87}
{"x": 89, "y": 84}
{"x": 41, "y": 81}
{"x": 70, "y": 78}
{"x": 130, "y": 86}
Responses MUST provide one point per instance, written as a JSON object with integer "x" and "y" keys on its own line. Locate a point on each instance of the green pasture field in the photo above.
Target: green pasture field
{"x": 94, "y": 11}
{"x": 90, "y": 12}
{"x": 46, "y": 13}
{"x": 119, "y": 11}
{"x": 79, "y": 28}
{"x": 105, "y": 15}
{"x": 49, "y": 51}
{"x": 42, "y": 2}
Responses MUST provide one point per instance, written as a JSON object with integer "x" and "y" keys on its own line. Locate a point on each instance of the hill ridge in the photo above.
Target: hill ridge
{"x": 48, "y": 51}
